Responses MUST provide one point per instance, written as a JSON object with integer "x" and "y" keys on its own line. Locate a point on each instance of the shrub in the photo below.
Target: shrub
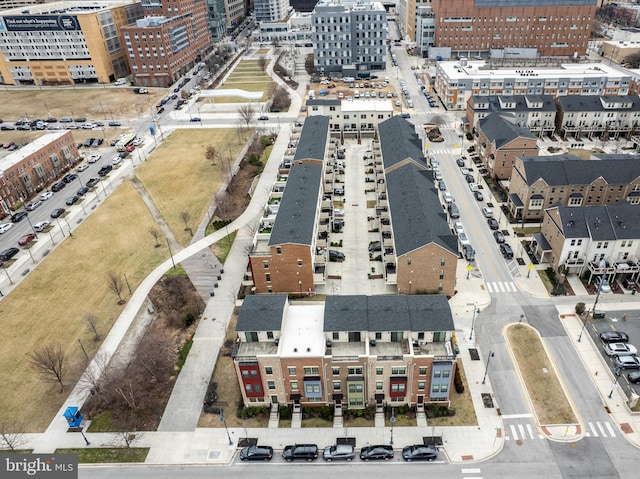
{"x": 189, "y": 319}
{"x": 580, "y": 308}
{"x": 285, "y": 412}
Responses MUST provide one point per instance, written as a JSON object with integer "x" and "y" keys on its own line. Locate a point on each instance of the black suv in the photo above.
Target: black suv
{"x": 506, "y": 251}
{"x": 8, "y": 254}
{"x": 308, "y": 452}
{"x": 58, "y": 186}
{"x": 19, "y": 216}
{"x": 105, "y": 170}
{"x": 381, "y": 452}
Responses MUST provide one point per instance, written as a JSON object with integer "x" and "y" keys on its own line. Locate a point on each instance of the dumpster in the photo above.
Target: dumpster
{"x": 598, "y": 314}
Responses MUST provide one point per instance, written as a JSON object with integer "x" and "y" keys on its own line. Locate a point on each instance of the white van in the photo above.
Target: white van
{"x": 356, "y": 94}
{"x": 311, "y": 95}
{"x": 120, "y": 81}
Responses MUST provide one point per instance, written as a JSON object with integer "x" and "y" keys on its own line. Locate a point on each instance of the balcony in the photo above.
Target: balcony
{"x": 249, "y": 351}
{"x": 626, "y": 267}
{"x": 345, "y": 351}
{"x": 389, "y": 351}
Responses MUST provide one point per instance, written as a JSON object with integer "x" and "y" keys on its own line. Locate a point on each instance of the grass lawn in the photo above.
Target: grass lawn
{"x": 263, "y": 51}
{"x": 92, "y": 103}
{"x": 358, "y": 422}
{"x": 465, "y": 412}
{"x": 221, "y": 248}
{"x": 316, "y": 422}
{"x": 401, "y": 421}
{"x": 544, "y": 277}
{"x": 95, "y": 455}
{"x": 180, "y": 182}
{"x": 544, "y": 388}
{"x": 48, "y": 306}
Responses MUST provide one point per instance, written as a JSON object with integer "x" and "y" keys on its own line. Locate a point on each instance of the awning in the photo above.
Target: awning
{"x": 542, "y": 242}
{"x": 295, "y": 397}
{"x": 379, "y": 397}
{"x": 515, "y": 200}
{"x": 337, "y": 397}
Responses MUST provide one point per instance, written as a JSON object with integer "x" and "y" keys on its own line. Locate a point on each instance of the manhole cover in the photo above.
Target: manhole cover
{"x": 474, "y": 354}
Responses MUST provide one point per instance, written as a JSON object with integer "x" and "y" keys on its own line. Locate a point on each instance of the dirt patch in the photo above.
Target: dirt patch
{"x": 134, "y": 397}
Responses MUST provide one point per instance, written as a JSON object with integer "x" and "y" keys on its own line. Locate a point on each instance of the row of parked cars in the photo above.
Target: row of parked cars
{"x": 616, "y": 346}
{"x": 344, "y": 452}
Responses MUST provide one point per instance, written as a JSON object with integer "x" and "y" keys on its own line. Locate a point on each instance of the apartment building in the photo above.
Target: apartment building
{"x": 236, "y": 11}
{"x": 457, "y": 81}
{"x": 283, "y": 259}
{"x": 271, "y": 10}
{"x": 499, "y": 141}
{"x": 217, "y": 19}
{"x": 540, "y": 182}
{"x": 345, "y": 351}
{"x": 503, "y": 28}
{"x": 352, "y": 35}
{"x": 592, "y": 240}
{"x": 351, "y": 119}
{"x": 64, "y": 43}
{"x": 420, "y": 252}
{"x": 537, "y": 113}
{"x": 596, "y": 116}
{"x": 30, "y": 169}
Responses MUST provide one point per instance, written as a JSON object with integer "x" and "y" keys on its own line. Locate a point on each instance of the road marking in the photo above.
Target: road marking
{"x": 516, "y": 416}
{"x": 470, "y": 471}
{"x": 611, "y": 431}
{"x": 594, "y": 432}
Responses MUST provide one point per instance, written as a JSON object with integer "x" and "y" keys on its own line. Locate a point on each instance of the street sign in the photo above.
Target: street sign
{"x": 529, "y": 266}
{"x": 392, "y": 419}
{"x": 469, "y": 267}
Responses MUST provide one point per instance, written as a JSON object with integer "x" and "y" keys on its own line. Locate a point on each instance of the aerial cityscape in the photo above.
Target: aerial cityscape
{"x": 318, "y": 231}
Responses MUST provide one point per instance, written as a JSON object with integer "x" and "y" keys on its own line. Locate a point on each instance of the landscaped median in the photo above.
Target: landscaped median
{"x": 549, "y": 399}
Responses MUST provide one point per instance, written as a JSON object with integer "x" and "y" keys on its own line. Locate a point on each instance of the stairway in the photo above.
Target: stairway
{"x": 296, "y": 416}
{"x": 421, "y": 417}
{"x": 274, "y": 416}
{"x": 337, "y": 416}
{"x": 379, "y": 421}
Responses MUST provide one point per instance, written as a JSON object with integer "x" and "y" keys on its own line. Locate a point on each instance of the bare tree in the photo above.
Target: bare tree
{"x": 263, "y": 62}
{"x": 211, "y": 154}
{"x": 50, "y": 361}
{"x": 154, "y": 356}
{"x": 12, "y": 435}
{"x": 116, "y": 285}
{"x": 223, "y": 202}
{"x": 155, "y": 233}
{"x": 127, "y": 434}
{"x": 92, "y": 325}
{"x": 280, "y": 99}
{"x": 96, "y": 374}
{"x": 186, "y": 217}
{"x": 247, "y": 113}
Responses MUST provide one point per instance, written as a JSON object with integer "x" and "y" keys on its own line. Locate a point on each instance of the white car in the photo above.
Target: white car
{"x": 94, "y": 158}
{"x": 82, "y": 167}
{"x": 46, "y": 195}
{"x": 458, "y": 227}
{"x": 116, "y": 161}
{"x": 138, "y": 142}
{"x": 464, "y": 171}
{"x": 462, "y": 236}
{"x": 448, "y": 198}
{"x": 473, "y": 187}
{"x": 487, "y": 212}
{"x": 620, "y": 349}
{"x": 4, "y": 227}
{"x": 41, "y": 226}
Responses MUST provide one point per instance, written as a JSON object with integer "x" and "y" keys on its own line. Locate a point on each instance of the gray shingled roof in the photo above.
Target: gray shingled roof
{"x": 323, "y": 101}
{"x": 590, "y": 103}
{"x": 601, "y": 223}
{"x": 501, "y": 131}
{"x": 296, "y": 216}
{"x": 399, "y": 141}
{"x": 388, "y": 313}
{"x": 261, "y": 312}
{"x": 313, "y": 138}
{"x": 520, "y": 102}
{"x": 416, "y": 212}
{"x": 571, "y": 170}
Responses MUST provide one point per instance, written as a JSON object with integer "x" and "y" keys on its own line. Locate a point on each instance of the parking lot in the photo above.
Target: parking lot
{"x": 616, "y": 321}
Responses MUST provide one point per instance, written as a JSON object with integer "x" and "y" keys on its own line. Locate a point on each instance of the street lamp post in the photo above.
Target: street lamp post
{"x": 392, "y": 419}
{"x": 86, "y": 441}
{"x": 487, "y": 367}
{"x": 586, "y": 318}
{"x": 476, "y": 310}
{"x": 300, "y": 286}
{"x": 615, "y": 383}
{"x": 171, "y": 254}
{"x": 222, "y": 420}
{"x": 127, "y": 281}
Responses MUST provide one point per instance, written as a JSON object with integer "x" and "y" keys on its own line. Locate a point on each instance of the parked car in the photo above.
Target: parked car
{"x": 487, "y": 212}
{"x": 478, "y": 195}
{"x": 72, "y": 200}
{"x": 620, "y": 349}
{"x": 376, "y": 453}
{"x": 82, "y": 167}
{"x": 375, "y": 246}
{"x": 634, "y": 377}
{"x": 104, "y": 171}
{"x": 460, "y": 162}
{"x": 40, "y": 226}
{"x": 80, "y": 119}
{"x": 457, "y": 226}
{"x": 336, "y": 256}
{"x": 92, "y": 182}
{"x": 82, "y": 191}
{"x": 263, "y": 118}
{"x": 506, "y": 251}
{"x": 66, "y": 120}
{"x": 469, "y": 253}
{"x": 419, "y": 452}
{"x": 8, "y": 254}
{"x": 437, "y": 175}
{"x": 69, "y": 178}
{"x": 26, "y": 239}
{"x": 614, "y": 337}
{"x": 256, "y": 453}
{"x": 628, "y": 283}
{"x": 338, "y": 452}
{"x": 462, "y": 237}
{"x": 116, "y": 161}
{"x": 338, "y": 191}
{"x": 58, "y": 186}
{"x": 4, "y": 227}
{"x": 46, "y": 195}
{"x": 57, "y": 213}
{"x": 94, "y": 158}
{"x": 308, "y": 452}
{"x": 442, "y": 186}
{"x": 498, "y": 236}
{"x": 32, "y": 205}
{"x": 115, "y": 123}
{"x": 464, "y": 171}
{"x": 19, "y": 216}
{"x": 195, "y": 118}
{"x": 493, "y": 224}
{"x": 627, "y": 362}
{"x": 602, "y": 284}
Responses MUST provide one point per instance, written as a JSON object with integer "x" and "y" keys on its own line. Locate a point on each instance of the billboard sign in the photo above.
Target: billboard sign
{"x": 35, "y": 23}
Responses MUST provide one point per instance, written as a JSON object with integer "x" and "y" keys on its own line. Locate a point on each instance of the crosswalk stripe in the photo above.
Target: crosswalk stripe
{"x": 611, "y": 431}
{"x": 594, "y": 432}
{"x": 521, "y": 429}
{"x": 513, "y": 432}
{"x": 501, "y": 287}
{"x": 602, "y": 431}
{"x": 530, "y": 431}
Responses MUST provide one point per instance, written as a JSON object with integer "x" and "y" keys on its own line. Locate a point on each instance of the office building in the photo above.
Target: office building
{"x": 167, "y": 42}
{"x": 65, "y": 43}
{"x": 271, "y": 10}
